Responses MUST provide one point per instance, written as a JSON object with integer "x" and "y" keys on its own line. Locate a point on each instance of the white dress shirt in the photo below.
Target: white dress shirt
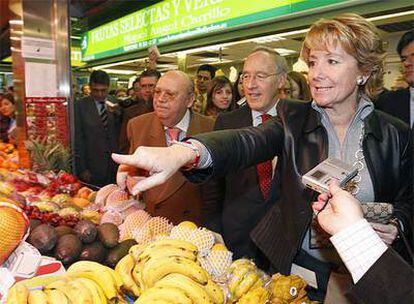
{"x": 359, "y": 247}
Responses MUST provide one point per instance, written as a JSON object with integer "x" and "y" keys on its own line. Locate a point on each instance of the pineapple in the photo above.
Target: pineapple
{"x": 48, "y": 155}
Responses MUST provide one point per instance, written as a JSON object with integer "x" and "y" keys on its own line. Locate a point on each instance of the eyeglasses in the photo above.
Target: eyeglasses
{"x": 260, "y": 77}
{"x": 168, "y": 95}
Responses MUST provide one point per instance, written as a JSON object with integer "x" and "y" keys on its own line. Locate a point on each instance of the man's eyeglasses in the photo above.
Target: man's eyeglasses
{"x": 245, "y": 77}
{"x": 168, "y": 95}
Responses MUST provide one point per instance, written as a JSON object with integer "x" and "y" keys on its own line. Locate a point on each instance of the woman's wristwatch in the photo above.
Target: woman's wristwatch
{"x": 193, "y": 164}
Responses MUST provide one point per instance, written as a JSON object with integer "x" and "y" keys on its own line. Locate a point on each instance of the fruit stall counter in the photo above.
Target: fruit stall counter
{"x": 112, "y": 251}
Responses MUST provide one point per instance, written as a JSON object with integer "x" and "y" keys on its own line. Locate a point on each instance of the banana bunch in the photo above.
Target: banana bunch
{"x": 244, "y": 277}
{"x": 181, "y": 289}
{"x": 150, "y": 272}
{"x": 259, "y": 295}
{"x": 85, "y": 282}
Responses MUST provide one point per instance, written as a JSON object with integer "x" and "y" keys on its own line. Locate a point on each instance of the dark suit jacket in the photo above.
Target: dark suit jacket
{"x": 241, "y": 205}
{"x": 177, "y": 199}
{"x": 388, "y": 281}
{"x": 396, "y": 103}
{"x": 137, "y": 108}
{"x": 94, "y": 144}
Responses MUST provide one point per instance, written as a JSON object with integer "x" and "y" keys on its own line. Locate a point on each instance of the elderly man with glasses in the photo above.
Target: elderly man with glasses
{"x": 244, "y": 195}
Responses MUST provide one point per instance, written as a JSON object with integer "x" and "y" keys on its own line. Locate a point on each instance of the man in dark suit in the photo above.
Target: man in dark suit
{"x": 401, "y": 103}
{"x": 177, "y": 199}
{"x": 244, "y": 200}
{"x": 141, "y": 104}
{"x": 97, "y": 126}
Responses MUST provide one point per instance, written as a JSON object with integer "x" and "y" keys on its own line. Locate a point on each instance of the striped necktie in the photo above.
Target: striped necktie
{"x": 103, "y": 114}
{"x": 264, "y": 170}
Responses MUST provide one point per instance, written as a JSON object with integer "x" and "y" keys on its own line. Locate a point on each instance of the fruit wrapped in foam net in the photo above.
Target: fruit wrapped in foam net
{"x": 152, "y": 228}
{"x": 133, "y": 222}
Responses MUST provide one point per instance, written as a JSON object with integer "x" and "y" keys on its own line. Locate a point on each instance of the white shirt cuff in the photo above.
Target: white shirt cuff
{"x": 359, "y": 247}
{"x": 205, "y": 156}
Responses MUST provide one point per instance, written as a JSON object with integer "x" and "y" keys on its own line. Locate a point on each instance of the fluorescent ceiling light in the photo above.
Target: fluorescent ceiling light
{"x": 210, "y": 48}
{"x": 284, "y": 52}
{"x": 121, "y": 72}
{"x": 213, "y": 60}
{"x": 16, "y": 22}
{"x": 268, "y": 39}
{"x": 75, "y": 37}
{"x": 391, "y": 15}
{"x": 103, "y": 66}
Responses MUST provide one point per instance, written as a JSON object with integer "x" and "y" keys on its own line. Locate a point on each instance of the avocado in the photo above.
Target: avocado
{"x": 86, "y": 231}
{"x": 33, "y": 223}
{"x": 108, "y": 234}
{"x": 118, "y": 252}
{"x": 43, "y": 237}
{"x": 68, "y": 249}
{"x": 62, "y": 230}
{"x": 95, "y": 251}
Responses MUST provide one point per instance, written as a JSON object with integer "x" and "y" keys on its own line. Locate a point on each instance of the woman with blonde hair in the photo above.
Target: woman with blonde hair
{"x": 345, "y": 59}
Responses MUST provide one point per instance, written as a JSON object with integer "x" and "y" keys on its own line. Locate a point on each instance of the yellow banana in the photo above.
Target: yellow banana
{"x": 37, "y": 297}
{"x": 136, "y": 250}
{"x": 215, "y": 292}
{"x": 258, "y": 296}
{"x": 55, "y": 296}
{"x": 103, "y": 279}
{"x": 161, "y": 244}
{"x": 98, "y": 296}
{"x": 136, "y": 275}
{"x": 18, "y": 294}
{"x": 156, "y": 269}
{"x": 165, "y": 293}
{"x": 247, "y": 282}
{"x": 62, "y": 286}
{"x": 167, "y": 251}
{"x": 192, "y": 289}
{"x": 40, "y": 281}
{"x": 236, "y": 276}
{"x": 124, "y": 270}
{"x": 99, "y": 268}
{"x": 241, "y": 263}
{"x": 259, "y": 283}
{"x": 82, "y": 293}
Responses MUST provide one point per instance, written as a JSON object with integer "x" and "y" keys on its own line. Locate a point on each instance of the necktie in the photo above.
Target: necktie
{"x": 173, "y": 134}
{"x": 264, "y": 170}
{"x": 103, "y": 113}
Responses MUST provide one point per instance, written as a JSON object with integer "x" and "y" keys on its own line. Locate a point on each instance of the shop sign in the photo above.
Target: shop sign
{"x": 175, "y": 20}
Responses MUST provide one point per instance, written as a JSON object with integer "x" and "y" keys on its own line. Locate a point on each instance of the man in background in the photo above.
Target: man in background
{"x": 205, "y": 73}
{"x": 97, "y": 126}
{"x": 400, "y": 103}
{"x": 144, "y": 87}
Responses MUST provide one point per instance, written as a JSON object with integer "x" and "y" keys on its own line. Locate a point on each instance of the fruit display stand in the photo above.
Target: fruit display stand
{"x": 113, "y": 251}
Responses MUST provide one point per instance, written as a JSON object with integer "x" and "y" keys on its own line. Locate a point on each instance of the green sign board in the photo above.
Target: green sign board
{"x": 175, "y": 20}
